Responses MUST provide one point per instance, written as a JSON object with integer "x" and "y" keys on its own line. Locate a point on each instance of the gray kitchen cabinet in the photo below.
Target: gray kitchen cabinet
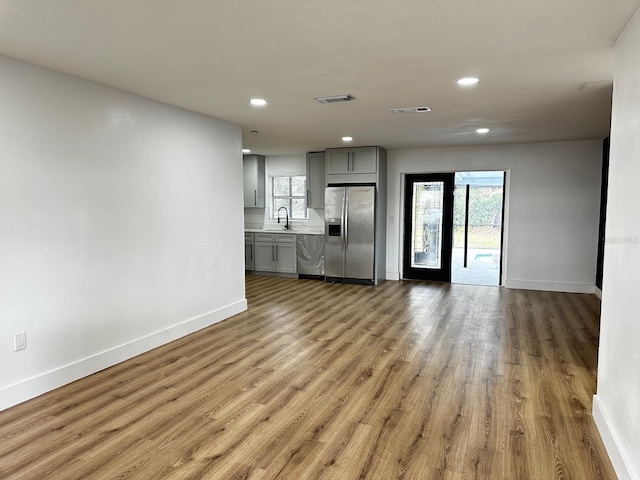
{"x": 356, "y": 165}
{"x": 249, "y": 251}
{"x": 254, "y": 181}
{"x": 275, "y": 253}
{"x": 315, "y": 179}
{"x": 351, "y": 160}
{"x": 286, "y": 260}
{"x": 265, "y": 260}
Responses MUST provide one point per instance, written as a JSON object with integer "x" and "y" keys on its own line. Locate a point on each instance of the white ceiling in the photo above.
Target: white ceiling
{"x": 545, "y": 66}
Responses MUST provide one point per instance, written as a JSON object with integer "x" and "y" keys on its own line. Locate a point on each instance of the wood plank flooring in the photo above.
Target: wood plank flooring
{"x": 407, "y": 380}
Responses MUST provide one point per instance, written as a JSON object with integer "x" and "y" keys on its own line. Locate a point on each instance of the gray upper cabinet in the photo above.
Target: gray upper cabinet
{"x": 338, "y": 160}
{"x": 253, "y": 172}
{"x": 315, "y": 179}
{"x": 355, "y": 165}
{"x": 364, "y": 160}
{"x": 351, "y": 160}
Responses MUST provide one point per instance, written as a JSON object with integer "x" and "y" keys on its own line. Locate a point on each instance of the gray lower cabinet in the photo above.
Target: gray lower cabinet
{"x": 275, "y": 253}
{"x": 265, "y": 257}
{"x": 249, "y": 252}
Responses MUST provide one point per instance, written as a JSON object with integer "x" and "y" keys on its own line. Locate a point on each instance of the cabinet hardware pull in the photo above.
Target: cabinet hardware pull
{"x": 255, "y": 198}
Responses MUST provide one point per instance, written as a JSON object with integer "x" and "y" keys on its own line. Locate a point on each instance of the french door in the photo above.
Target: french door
{"x": 428, "y": 232}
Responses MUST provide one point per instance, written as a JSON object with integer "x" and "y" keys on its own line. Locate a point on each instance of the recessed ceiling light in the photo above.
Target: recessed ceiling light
{"x": 258, "y": 102}
{"x": 482, "y": 130}
{"x": 347, "y": 139}
{"x": 467, "y": 81}
{"x": 246, "y": 150}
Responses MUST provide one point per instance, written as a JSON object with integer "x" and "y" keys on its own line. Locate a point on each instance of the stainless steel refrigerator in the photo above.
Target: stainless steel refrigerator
{"x": 350, "y": 232}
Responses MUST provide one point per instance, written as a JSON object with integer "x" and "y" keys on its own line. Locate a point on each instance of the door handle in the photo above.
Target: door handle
{"x": 255, "y": 198}
{"x": 346, "y": 223}
{"x": 343, "y": 224}
{"x": 273, "y": 253}
{"x": 277, "y": 252}
{"x": 251, "y": 251}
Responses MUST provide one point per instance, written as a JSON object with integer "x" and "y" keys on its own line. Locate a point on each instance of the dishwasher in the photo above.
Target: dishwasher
{"x": 310, "y": 256}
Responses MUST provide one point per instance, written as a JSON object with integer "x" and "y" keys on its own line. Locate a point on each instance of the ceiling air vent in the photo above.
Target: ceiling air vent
{"x": 335, "y": 98}
{"x": 411, "y": 110}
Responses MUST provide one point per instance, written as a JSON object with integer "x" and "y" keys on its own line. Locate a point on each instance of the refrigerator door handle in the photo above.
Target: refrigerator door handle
{"x": 346, "y": 223}
{"x": 342, "y": 224}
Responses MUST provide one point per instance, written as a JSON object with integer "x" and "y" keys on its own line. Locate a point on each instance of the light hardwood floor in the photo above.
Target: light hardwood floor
{"x": 406, "y": 380}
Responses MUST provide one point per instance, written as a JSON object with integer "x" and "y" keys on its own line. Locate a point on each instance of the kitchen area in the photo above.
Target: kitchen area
{"x": 317, "y": 216}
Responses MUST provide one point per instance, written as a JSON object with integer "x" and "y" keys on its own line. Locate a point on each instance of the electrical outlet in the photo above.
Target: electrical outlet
{"x": 20, "y": 341}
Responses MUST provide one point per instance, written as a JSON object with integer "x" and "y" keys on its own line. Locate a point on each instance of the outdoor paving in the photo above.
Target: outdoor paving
{"x": 483, "y": 267}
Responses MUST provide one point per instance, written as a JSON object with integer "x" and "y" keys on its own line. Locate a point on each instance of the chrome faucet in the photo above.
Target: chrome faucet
{"x": 286, "y": 226}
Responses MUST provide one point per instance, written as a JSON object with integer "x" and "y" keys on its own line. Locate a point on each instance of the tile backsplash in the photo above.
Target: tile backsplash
{"x": 259, "y": 218}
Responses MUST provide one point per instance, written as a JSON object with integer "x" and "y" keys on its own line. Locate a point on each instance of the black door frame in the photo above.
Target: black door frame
{"x": 504, "y": 203}
{"x": 603, "y": 211}
{"x": 444, "y": 273}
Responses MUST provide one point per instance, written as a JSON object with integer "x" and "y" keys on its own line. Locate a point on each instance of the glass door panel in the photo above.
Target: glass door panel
{"x": 428, "y": 201}
{"x": 428, "y": 226}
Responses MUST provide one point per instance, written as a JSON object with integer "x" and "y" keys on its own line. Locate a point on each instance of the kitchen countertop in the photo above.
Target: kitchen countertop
{"x": 298, "y": 229}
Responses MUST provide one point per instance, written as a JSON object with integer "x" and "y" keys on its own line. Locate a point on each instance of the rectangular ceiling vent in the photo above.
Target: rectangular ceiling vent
{"x": 410, "y": 110}
{"x": 335, "y": 98}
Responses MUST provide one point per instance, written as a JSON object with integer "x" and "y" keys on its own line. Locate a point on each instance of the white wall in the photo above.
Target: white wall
{"x": 285, "y": 165}
{"x": 552, "y": 218}
{"x": 120, "y": 226}
{"x": 617, "y": 404}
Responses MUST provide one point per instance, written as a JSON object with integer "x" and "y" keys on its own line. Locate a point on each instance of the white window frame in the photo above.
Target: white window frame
{"x": 289, "y": 198}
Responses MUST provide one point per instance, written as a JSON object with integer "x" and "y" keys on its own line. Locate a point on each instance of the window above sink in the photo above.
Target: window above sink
{"x": 289, "y": 192}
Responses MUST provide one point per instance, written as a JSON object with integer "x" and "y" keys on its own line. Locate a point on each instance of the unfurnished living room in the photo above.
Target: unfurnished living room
{"x": 250, "y": 240}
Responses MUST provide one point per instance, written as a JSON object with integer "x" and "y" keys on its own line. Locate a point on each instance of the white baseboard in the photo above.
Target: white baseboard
{"x": 32, "y": 387}
{"x": 609, "y": 438}
{"x": 550, "y": 286}
{"x": 392, "y": 276}
{"x": 533, "y": 285}
{"x": 598, "y": 292}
